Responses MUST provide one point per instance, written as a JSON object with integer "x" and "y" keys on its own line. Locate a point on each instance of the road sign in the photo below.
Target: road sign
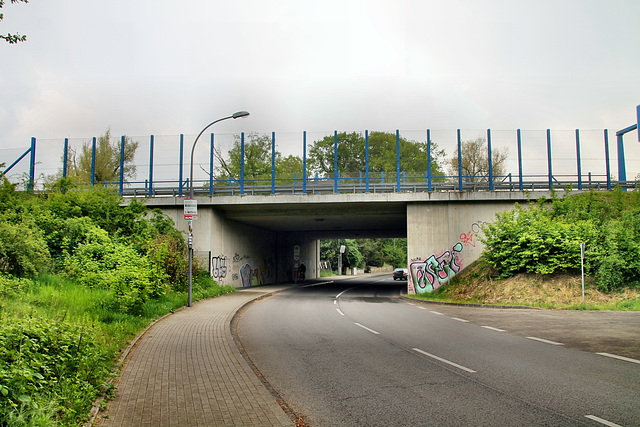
{"x": 190, "y": 209}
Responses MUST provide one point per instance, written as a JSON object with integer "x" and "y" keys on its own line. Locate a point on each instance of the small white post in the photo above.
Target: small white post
{"x": 582, "y": 247}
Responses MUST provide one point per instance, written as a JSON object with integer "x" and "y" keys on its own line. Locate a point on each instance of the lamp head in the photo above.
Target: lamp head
{"x": 240, "y": 114}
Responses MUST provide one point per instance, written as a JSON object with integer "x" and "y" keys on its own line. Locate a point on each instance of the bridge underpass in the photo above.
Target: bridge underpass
{"x": 253, "y": 240}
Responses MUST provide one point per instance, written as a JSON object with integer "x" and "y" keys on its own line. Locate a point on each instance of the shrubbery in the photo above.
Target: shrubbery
{"x": 545, "y": 238}
{"x": 110, "y": 268}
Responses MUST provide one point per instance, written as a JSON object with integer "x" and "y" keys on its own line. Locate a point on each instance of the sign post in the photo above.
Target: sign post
{"x": 582, "y": 248}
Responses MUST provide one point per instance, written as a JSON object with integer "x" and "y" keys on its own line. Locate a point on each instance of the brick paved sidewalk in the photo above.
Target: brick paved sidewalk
{"x": 187, "y": 371}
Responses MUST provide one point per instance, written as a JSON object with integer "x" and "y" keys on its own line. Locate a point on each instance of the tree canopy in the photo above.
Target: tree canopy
{"x": 382, "y": 154}
{"x": 107, "y": 165}
{"x": 475, "y": 161}
{"x": 12, "y": 38}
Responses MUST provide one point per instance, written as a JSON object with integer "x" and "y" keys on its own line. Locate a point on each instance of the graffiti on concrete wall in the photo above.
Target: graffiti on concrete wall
{"x": 470, "y": 238}
{"x": 258, "y": 274}
{"x": 219, "y": 268}
{"x": 431, "y": 273}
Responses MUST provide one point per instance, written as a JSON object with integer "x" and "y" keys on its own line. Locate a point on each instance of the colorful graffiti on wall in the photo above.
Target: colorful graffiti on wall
{"x": 429, "y": 274}
{"x": 257, "y": 276}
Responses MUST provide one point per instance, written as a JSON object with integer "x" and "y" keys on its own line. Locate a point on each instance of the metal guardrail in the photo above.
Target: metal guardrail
{"x": 328, "y": 187}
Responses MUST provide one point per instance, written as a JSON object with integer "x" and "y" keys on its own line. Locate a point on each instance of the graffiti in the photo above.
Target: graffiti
{"x": 431, "y": 273}
{"x": 234, "y": 277}
{"x": 467, "y": 239}
{"x": 237, "y": 258}
{"x": 256, "y": 276}
{"x": 470, "y": 239}
{"x": 219, "y": 267}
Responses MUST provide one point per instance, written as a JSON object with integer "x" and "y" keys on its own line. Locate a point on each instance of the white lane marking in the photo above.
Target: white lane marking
{"x": 437, "y": 312}
{"x": 545, "y": 341}
{"x": 347, "y": 290}
{"x": 335, "y": 301}
{"x": 448, "y": 362}
{"x": 410, "y": 303}
{"x": 615, "y": 356}
{"x": 339, "y": 311}
{"x": 494, "y": 329}
{"x": 602, "y": 421}
{"x": 368, "y": 329}
{"x": 460, "y": 320}
{"x": 422, "y": 308}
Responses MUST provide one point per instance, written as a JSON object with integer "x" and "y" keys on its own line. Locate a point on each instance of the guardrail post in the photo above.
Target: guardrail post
{"x": 151, "y": 166}
{"x": 273, "y": 163}
{"x": 606, "y": 156}
{"x": 304, "y": 162}
{"x": 490, "y": 160}
{"x": 429, "y": 159}
{"x": 93, "y": 161}
{"x": 32, "y": 165}
{"x": 578, "y": 159}
{"x": 181, "y": 164}
{"x": 121, "y": 183}
{"x": 366, "y": 159}
{"x": 459, "y": 161}
{"x": 211, "y": 165}
{"x": 242, "y": 163}
{"x": 66, "y": 157}
{"x": 549, "y": 159}
{"x": 398, "y": 160}
{"x": 519, "y": 160}
{"x": 335, "y": 161}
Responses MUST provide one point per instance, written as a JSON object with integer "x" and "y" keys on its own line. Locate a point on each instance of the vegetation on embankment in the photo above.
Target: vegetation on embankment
{"x": 80, "y": 276}
{"x": 532, "y": 255}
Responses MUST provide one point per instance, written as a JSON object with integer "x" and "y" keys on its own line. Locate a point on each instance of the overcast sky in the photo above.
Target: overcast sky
{"x": 170, "y": 67}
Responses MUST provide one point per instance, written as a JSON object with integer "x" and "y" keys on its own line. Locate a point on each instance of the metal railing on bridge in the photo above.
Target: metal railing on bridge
{"x": 288, "y": 164}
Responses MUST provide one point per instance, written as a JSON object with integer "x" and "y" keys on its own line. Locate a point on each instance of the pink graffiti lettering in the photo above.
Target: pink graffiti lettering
{"x": 431, "y": 273}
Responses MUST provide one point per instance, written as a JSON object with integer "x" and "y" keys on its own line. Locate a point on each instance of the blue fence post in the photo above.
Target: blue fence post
{"x": 549, "y": 159}
{"x": 520, "y": 160}
{"x": 459, "y": 161}
{"x": 32, "y": 165}
{"x": 151, "y": 165}
{"x": 398, "y": 160}
{"x": 490, "y": 160}
{"x": 622, "y": 168}
{"x": 273, "y": 163}
{"x": 93, "y": 161}
{"x": 211, "y": 165}
{"x": 242, "y": 163}
{"x": 429, "y": 158}
{"x": 578, "y": 159}
{"x": 606, "y": 156}
{"x": 304, "y": 162}
{"x": 66, "y": 157}
{"x": 335, "y": 161}
{"x": 366, "y": 159}
{"x": 121, "y": 184}
{"x": 181, "y": 164}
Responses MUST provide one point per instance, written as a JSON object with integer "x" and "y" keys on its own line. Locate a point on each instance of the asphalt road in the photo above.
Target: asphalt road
{"x": 353, "y": 353}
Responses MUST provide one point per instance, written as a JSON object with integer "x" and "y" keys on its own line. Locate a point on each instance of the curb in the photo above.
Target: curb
{"x": 464, "y": 304}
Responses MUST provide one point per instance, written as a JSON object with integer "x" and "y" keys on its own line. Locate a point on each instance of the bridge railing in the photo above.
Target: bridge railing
{"x": 353, "y": 162}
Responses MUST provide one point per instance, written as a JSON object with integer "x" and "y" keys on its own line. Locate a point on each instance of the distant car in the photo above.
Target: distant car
{"x": 400, "y": 273}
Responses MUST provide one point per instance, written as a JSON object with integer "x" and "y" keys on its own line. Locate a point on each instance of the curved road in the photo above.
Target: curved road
{"x": 351, "y": 353}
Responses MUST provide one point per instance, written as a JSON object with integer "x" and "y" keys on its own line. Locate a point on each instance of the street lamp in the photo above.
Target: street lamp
{"x": 191, "y": 196}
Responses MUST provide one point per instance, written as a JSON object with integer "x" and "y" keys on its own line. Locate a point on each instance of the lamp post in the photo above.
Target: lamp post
{"x": 191, "y": 195}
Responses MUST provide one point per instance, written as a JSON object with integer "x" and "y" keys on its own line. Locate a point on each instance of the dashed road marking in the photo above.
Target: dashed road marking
{"x": 602, "y": 421}
{"x": 448, "y": 362}
{"x": 340, "y": 311}
{"x": 545, "y": 341}
{"x": 368, "y": 329}
{"x": 437, "y": 312}
{"x": 494, "y": 329}
{"x": 615, "y": 356}
{"x": 460, "y": 320}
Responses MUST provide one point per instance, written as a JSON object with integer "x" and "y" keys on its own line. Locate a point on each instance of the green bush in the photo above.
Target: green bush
{"x": 129, "y": 275}
{"x": 49, "y": 371}
{"x": 23, "y": 251}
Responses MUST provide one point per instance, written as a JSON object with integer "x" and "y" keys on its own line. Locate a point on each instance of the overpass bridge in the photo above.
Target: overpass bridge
{"x": 257, "y": 230}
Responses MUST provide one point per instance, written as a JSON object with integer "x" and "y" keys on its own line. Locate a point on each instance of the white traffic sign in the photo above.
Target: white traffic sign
{"x": 190, "y": 209}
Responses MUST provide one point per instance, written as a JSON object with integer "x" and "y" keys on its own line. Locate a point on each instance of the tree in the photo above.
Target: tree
{"x": 475, "y": 163}
{"x": 107, "y": 164}
{"x": 351, "y": 149}
{"x": 257, "y": 159}
{"x": 12, "y": 38}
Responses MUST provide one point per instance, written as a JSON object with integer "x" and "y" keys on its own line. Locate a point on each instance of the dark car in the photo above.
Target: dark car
{"x": 400, "y": 273}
